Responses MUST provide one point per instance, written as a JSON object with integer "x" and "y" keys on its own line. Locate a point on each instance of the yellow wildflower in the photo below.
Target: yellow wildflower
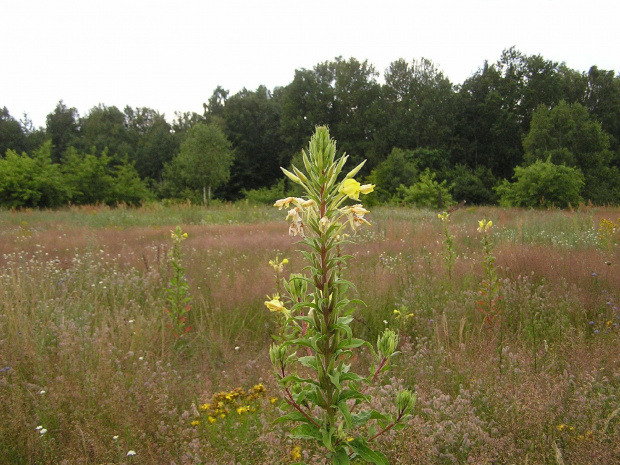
{"x": 484, "y": 226}
{"x": 367, "y": 188}
{"x": 195, "y": 423}
{"x": 283, "y": 203}
{"x": 273, "y": 400}
{"x": 275, "y": 304}
{"x": 205, "y": 406}
{"x": 295, "y": 453}
{"x": 351, "y": 188}
{"x": 211, "y": 419}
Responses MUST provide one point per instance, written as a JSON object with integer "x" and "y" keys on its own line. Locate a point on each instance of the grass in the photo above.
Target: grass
{"x": 85, "y": 352}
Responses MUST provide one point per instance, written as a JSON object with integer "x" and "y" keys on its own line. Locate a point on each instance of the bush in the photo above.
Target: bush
{"x": 427, "y": 192}
{"x": 544, "y": 185}
{"x": 265, "y": 195}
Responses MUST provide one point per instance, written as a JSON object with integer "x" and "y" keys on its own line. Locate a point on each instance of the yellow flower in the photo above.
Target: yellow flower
{"x": 367, "y": 188}
{"x": 242, "y": 410}
{"x": 273, "y": 400}
{"x": 205, "y": 406}
{"x": 275, "y": 305}
{"x": 195, "y": 423}
{"x": 211, "y": 420}
{"x": 295, "y": 453}
{"x": 484, "y": 226}
{"x": 351, "y": 188}
{"x": 283, "y": 203}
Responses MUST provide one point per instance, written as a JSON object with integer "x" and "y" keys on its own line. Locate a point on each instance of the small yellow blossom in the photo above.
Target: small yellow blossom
{"x": 275, "y": 304}
{"x": 484, "y": 226}
{"x": 195, "y": 423}
{"x": 283, "y": 203}
{"x": 242, "y": 410}
{"x": 367, "y": 188}
{"x": 205, "y": 406}
{"x": 349, "y": 439}
{"x": 273, "y": 400}
{"x": 211, "y": 419}
{"x": 295, "y": 453}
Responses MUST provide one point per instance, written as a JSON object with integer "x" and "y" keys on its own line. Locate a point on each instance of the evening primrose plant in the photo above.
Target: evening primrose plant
{"x": 325, "y": 401}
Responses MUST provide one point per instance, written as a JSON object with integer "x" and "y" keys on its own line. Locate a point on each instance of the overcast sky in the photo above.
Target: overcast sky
{"x": 170, "y": 55}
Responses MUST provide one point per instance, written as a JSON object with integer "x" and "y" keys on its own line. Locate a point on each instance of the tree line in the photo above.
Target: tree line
{"x": 523, "y": 130}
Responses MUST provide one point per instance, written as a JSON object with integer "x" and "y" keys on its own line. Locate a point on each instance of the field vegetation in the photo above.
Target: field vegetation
{"x": 509, "y": 334}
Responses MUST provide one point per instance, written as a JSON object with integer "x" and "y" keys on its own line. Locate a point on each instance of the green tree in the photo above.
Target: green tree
{"x": 252, "y": 125}
{"x": 153, "y": 140}
{"x": 31, "y": 181}
{"x": 542, "y": 184}
{"x": 62, "y": 129}
{"x": 88, "y": 177}
{"x": 11, "y": 133}
{"x": 396, "y": 170}
{"x": 567, "y": 134}
{"x": 473, "y": 186}
{"x": 419, "y": 102}
{"x": 104, "y": 128}
{"x": 204, "y": 161}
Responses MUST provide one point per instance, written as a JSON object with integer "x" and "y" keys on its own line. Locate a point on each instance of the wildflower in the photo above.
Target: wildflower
{"x": 295, "y": 453}
{"x": 41, "y": 392}
{"x": 242, "y": 410}
{"x": 115, "y": 437}
{"x": 237, "y": 348}
{"x": 205, "y": 406}
{"x": 195, "y": 423}
{"x": 273, "y": 400}
{"x": 211, "y": 419}
{"x": 276, "y": 305}
{"x": 367, "y": 188}
{"x": 283, "y": 203}
{"x": 38, "y": 428}
{"x": 42, "y": 431}
{"x": 484, "y": 226}
{"x": 443, "y": 216}
{"x": 351, "y": 188}
{"x": 131, "y": 453}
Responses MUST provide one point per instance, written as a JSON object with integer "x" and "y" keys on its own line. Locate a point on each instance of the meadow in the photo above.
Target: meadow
{"x": 524, "y": 371}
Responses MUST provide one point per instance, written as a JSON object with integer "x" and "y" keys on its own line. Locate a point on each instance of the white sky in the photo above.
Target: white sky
{"x": 170, "y": 55}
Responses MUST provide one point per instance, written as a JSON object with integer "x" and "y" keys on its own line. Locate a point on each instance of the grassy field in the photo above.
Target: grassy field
{"x": 91, "y": 373}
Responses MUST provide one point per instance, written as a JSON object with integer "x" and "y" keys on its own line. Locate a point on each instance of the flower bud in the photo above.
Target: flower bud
{"x": 277, "y": 354}
{"x": 386, "y": 343}
{"x": 405, "y": 401}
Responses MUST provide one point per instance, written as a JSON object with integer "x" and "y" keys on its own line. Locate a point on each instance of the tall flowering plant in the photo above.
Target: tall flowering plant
{"x": 326, "y": 401}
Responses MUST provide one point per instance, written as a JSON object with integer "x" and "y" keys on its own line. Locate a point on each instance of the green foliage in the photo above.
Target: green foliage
{"x": 543, "y": 185}
{"x": 397, "y": 169}
{"x": 473, "y": 186}
{"x": 11, "y": 133}
{"x": 325, "y": 398}
{"x": 427, "y": 192}
{"x": 178, "y": 297}
{"x": 204, "y": 161}
{"x": 31, "y": 182}
{"x": 567, "y": 134}
{"x": 265, "y": 195}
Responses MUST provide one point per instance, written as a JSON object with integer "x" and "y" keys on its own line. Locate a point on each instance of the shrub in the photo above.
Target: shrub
{"x": 542, "y": 184}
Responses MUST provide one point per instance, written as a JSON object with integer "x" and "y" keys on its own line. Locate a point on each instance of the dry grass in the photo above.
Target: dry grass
{"x": 85, "y": 352}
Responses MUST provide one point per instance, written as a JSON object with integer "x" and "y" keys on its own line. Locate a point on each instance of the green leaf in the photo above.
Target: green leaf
{"x": 292, "y": 416}
{"x": 308, "y": 361}
{"x": 341, "y": 457}
{"x": 360, "y": 448}
{"x": 346, "y": 413}
{"x": 306, "y": 431}
{"x": 352, "y": 343}
{"x": 335, "y": 378}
